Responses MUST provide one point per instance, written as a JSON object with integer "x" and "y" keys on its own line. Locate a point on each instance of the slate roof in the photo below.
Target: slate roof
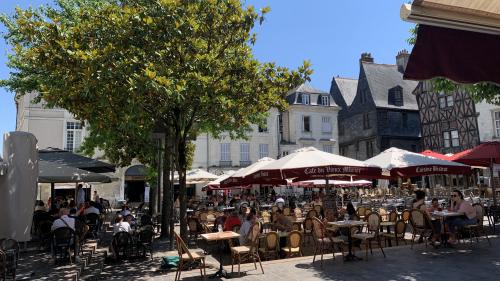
{"x": 306, "y": 88}
{"x": 381, "y": 78}
{"x": 347, "y": 87}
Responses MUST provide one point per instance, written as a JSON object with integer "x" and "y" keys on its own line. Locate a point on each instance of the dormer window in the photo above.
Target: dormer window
{"x": 325, "y": 100}
{"x": 396, "y": 96}
{"x": 304, "y": 99}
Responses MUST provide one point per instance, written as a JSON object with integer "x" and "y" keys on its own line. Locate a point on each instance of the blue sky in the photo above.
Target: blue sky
{"x": 331, "y": 34}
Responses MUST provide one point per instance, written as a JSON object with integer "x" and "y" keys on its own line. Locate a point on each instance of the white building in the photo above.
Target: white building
{"x": 310, "y": 120}
{"x": 488, "y": 121}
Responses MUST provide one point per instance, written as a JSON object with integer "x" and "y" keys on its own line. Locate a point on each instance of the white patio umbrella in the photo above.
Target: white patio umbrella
{"x": 402, "y": 163}
{"x": 238, "y": 178}
{"x": 310, "y": 163}
{"x": 197, "y": 176}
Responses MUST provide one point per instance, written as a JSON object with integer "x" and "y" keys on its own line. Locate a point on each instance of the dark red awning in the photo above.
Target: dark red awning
{"x": 435, "y": 154}
{"x": 483, "y": 155}
{"x": 461, "y": 56}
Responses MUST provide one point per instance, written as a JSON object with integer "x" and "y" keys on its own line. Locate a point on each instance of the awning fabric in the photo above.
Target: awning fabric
{"x": 403, "y": 163}
{"x": 68, "y": 158}
{"x": 435, "y": 155}
{"x": 461, "y": 56}
{"x": 482, "y": 155}
{"x": 50, "y": 172}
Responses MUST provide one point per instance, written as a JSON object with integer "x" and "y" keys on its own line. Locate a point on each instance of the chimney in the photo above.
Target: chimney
{"x": 366, "y": 57}
{"x": 402, "y": 60}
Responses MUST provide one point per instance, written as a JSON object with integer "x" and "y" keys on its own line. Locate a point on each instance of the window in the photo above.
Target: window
{"x": 306, "y": 124}
{"x": 284, "y": 153}
{"x": 325, "y": 100}
{"x": 328, "y": 148}
{"x": 225, "y": 152}
{"x": 445, "y": 100}
{"x": 263, "y": 128}
{"x": 341, "y": 129}
{"x": 366, "y": 121}
{"x": 451, "y": 139}
{"x": 343, "y": 150}
{"x": 244, "y": 152}
{"x": 496, "y": 119}
{"x": 405, "y": 119}
{"x": 305, "y": 99}
{"x": 395, "y": 96}
{"x": 263, "y": 150}
{"x": 73, "y": 135}
{"x": 326, "y": 125}
{"x": 369, "y": 149}
{"x": 454, "y": 138}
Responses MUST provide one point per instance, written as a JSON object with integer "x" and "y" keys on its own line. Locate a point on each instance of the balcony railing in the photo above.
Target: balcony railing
{"x": 245, "y": 163}
{"x": 225, "y": 163}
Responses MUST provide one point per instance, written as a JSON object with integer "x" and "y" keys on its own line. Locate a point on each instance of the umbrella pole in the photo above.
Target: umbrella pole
{"x": 492, "y": 184}
{"x": 52, "y": 192}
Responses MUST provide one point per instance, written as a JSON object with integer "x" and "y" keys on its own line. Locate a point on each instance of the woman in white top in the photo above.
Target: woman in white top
{"x": 121, "y": 225}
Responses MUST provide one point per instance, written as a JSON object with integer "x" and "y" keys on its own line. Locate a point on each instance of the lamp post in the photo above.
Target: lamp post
{"x": 278, "y": 135}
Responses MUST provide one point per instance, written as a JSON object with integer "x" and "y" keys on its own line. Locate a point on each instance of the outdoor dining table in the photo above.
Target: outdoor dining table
{"x": 348, "y": 224}
{"x": 442, "y": 215}
{"x": 388, "y": 225}
{"x": 220, "y": 236}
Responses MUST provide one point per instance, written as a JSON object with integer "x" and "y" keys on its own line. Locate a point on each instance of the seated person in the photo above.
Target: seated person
{"x": 232, "y": 221}
{"x": 220, "y": 220}
{"x": 125, "y": 211}
{"x": 468, "y": 215}
{"x": 282, "y": 222}
{"x": 121, "y": 225}
{"x": 420, "y": 201}
{"x": 245, "y": 229}
{"x": 40, "y": 206}
{"x": 64, "y": 220}
{"x": 435, "y": 207}
{"x": 91, "y": 209}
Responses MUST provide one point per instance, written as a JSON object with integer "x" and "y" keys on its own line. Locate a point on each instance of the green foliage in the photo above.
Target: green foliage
{"x": 126, "y": 66}
{"x": 483, "y": 91}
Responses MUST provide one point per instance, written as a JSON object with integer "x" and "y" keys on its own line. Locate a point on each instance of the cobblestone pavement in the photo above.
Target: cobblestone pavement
{"x": 463, "y": 262}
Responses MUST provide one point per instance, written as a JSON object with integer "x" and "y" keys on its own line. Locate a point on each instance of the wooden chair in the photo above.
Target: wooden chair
{"x": 393, "y": 216}
{"x": 406, "y": 215}
{"x": 371, "y": 234}
{"x": 188, "y": 258}
{"x": 266, "y": 217}
{"x": 247, "y": 252}
{"x": 312, "y": 214}
{"x": 383, "y": 214}
{"x": 307, "y": 226}
{"x": 398, "y": 234}
{"x": 420, "y": 224}
{"x": 324, "y": 242}
{"x": 298, "y": 213}
{"x": 286, "y": 211}
{"x": 477, "y": 229}
{"x": 317, "y": 208}
{"x": 361, "y": 212}
{"x": 271, "y": 245}
{"x": 195, "y": 228}
{"x": 293, "y": 244}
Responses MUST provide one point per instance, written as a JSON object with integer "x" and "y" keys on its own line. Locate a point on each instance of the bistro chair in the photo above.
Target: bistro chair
{"x": 286, "y": 211}
{"x": 478, "y": 228}
{"x": 188, "y": 258}
{"x": 63, "y": 241}
{"x": 399, "y": 233}
{"x": 421, "y": 225}
{"x": 121, "y": 245}
{"x": 298, "y": 213}
{"x": 293, "y": 244}
{"x": 384, "y": 215}
{"x": 324, "y": 242}
{"x": 371, "y": 234}
{"x": 393, "y": 216}
{"x": 11, "y": 249}
{"x": 248, "y": 252}
{"x": 195, "y": 228}
{"x": 92, "y": 220}
{"x": 312, "y": 214}
{"x": 317, "y": 208}
{"x": 361, "y": 212}
{"x": 271, "y": 245}
{"x": 145, "y": 240}
{"x": 308, "y": 225}
{"x": 406, "y": 215}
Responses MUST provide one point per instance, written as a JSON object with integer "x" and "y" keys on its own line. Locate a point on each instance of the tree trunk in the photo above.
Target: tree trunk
{"x": 181, "y": 170}
{"x": 167, "y": 214}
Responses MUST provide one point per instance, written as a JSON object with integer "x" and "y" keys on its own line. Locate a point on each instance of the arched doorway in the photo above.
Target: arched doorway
{"x": 135, "y": 183}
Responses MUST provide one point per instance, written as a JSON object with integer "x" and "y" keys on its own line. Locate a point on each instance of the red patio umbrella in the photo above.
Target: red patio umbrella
{"x": 483, "y": 155}
{"x": 435, "y": 154}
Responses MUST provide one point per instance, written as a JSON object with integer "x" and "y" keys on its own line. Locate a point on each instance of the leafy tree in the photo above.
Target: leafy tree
{"x": 488, "y": 92}
{"x": 128, "y": 66}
